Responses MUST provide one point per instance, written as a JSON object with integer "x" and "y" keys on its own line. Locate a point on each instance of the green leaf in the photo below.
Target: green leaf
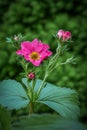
{"x": 24, "y": 80}
{"x": 62, "y": 100}
{"x": 8, "y": 40}
{"x": 12, "y": 95}
{"x": 46, "y": 122}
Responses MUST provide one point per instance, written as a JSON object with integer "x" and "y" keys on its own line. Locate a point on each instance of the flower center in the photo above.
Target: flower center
{"x": 34, "y": 56}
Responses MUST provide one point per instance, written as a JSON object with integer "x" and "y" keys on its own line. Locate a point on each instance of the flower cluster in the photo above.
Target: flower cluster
{"x": 64, "y": 35}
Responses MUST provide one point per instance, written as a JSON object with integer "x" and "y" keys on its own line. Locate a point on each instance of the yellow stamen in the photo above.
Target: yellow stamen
{"x": 34, "y": 56}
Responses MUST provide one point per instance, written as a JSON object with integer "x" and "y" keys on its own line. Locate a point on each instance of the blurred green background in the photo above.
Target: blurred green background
{"x": 42, "y": 19}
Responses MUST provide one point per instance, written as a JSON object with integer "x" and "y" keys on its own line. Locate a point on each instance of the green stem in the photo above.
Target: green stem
{"x": 31, "y": 108}
{"x": 29, "y": 89}
{"x": 41, "y": 86}
{"x": 32, "y": 91}
{"x": 49, "y": 67}
{"x": 54, "y": 58}
{"x": 31, "y": 105}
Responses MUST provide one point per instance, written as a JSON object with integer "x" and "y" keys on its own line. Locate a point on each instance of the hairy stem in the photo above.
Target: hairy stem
{"x": 41, "y": 86}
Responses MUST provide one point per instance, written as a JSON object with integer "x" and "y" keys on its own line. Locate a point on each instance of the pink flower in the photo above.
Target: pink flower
{"x": 31, "y": 75}
{"x": 64, "y": 35}
{"x": 34, "y": 52}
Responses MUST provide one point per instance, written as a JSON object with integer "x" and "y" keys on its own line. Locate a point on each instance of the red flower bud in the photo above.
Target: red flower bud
{"x": 31, "y": 75}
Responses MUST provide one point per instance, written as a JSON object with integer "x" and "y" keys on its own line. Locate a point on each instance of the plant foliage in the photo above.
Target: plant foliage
{"x": 62, "y": 100}
{"x": 12, "y": 95}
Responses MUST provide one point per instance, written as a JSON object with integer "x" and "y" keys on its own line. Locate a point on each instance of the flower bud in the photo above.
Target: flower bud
{"x": 31, "y": 75}
{"x": 60, "y": 33}
{"x": 64, "y": 35}
{"x": 16, "y": 38}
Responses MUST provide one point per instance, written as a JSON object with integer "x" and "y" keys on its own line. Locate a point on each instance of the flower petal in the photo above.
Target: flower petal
{"x": 35, "y": 62}
{"x": 19, "y": 52}
{"x": 25, "y": 45}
